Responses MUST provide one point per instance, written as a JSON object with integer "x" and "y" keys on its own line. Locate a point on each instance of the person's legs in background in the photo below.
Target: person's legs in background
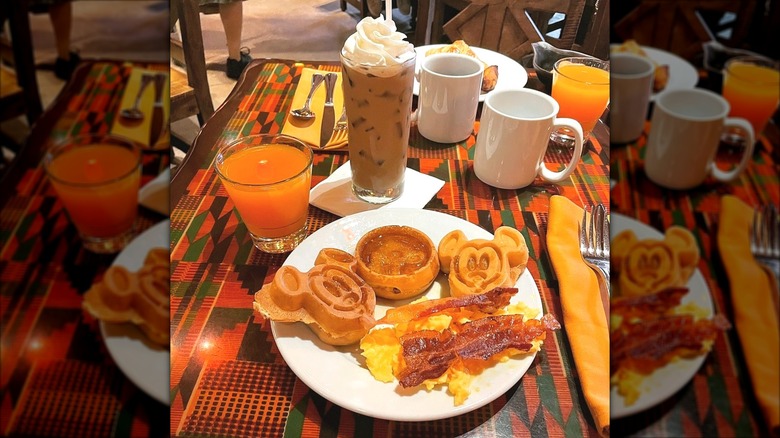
{"x": 61, "y": 15}
{"x": 232, "y": 15}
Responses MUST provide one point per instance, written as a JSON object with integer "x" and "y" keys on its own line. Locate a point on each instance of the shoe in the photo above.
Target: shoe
{"x": 236, "y": 66}
{"x": 63, "y": 68}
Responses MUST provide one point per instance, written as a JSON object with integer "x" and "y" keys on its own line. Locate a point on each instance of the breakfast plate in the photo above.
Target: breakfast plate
{"x": 339, "y": 374}
{"x": 510, "y": 73}
{"x": 145, "y": 363}
{"x": 665, "y": 381}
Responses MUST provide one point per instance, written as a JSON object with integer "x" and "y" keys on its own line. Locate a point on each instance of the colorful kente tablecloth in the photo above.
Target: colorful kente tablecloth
{"x": 227, "y": 375}
{"x": 58, "y": 379}
{"x": 718, "y": 401}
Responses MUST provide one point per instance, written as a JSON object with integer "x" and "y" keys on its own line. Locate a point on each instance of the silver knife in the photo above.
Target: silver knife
{"x": 157, "y": 112}
{"x": 328, "y": 113}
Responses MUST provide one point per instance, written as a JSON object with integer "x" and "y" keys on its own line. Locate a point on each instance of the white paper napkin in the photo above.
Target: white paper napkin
{"x": 334, "y": 194}
{"x": 155, "y": 194}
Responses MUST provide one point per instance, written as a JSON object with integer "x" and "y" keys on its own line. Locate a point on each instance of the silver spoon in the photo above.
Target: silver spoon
{"x": 306, "y": 112}
{"x": 133, "y": 114}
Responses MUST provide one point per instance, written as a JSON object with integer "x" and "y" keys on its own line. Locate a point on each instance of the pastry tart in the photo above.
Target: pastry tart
{"x": 399, "y": 262}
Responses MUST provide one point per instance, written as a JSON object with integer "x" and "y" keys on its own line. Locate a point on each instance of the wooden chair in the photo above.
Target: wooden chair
{"x": 361, "y": 5}
{"x": 681, "y": 26}
{"x": 419, "y": 19}
{"x": 19, "y": 93}
{"x": 190, "y": 91}
{"x": 506, "y": 27}
{"x": 593, "y": 36}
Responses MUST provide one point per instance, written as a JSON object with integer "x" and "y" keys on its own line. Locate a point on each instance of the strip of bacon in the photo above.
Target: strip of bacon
{"x": 488, "y": 302}
{"x": 647, "y": 345}
{"x": 656, "y": 303}
{"x": 428, "y": 354}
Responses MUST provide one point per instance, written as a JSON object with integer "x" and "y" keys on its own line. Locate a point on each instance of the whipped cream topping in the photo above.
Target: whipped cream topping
{"x": 376, "y": 42}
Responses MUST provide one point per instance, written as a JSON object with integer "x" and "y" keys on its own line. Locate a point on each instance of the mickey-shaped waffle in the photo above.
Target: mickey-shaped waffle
{"x": 330, "y": 298}
{"x": 142, "y": 298}
{"x": 649, "y": 265}
{"x": 478, "y": 265}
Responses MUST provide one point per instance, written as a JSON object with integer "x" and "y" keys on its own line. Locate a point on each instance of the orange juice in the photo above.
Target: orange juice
{"x": 753, "y": 91}
{"x": 582, "y": 91}
{"x": 269, "y": 185}
{"x": 98, "y": 185}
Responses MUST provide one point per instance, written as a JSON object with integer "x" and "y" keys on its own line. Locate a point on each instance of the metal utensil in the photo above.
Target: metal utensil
{"x": 157, "y": 111}
{"x": 328, "y": 113}
{"x": 305, "y": 112}
{"x": 594, "y": 247}
{"x": 341, "y": 123}
{"x": 765, "y": 242}
{"x": 134, "y": 114}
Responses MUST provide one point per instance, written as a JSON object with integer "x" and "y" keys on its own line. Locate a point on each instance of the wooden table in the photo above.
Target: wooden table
{"x": 58, "y": 378}
{"x": 227, "y": 376}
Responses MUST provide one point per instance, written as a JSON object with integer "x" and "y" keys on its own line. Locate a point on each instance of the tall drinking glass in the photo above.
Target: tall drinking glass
{"x": 581, "y": 88}
{"x": 379, "y": 106}
{"x": 752, "y": 87}
{"x": 268, "y": 178}
{"x": 97, "y": 179}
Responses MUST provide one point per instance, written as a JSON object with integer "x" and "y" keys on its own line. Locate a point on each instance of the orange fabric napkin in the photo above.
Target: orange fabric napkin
{"x": 755, "y": 315}
{"x": 308, "y": 131}
{"x": 584, "y": 319}
{"x": 139, "y": 132}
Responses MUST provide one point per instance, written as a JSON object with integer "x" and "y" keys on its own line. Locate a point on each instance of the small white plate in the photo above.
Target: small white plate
{"x": 336, "y": 373}
{"x": 145, "y": 363}
{"x": 682, "y": 74}
{"x": 510, "y": 73}
{"x": 665, "y": 381}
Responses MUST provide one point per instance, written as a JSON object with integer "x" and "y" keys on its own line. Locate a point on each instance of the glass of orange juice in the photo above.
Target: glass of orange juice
{"x": 752, "y": 86}
{"x": 96, "y": 178}
{"x": 268, "y": 178}
{"x": 581, "y": 88}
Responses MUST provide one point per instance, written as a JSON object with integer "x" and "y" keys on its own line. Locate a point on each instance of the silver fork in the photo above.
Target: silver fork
{"x": 339, "y": 132}
{"x": 765, "y": 239}
{"x": 594, "y": 247}
{"x": 341, "y": 124}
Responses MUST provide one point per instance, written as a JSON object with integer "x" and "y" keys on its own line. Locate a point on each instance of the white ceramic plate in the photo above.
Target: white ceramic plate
{"x": 510, "y": 73}
{"x": 682, "y": 75}
{"x": 143, "y": 362}
{"x": 666, "y": 381}
{"x": 336, "y": 373}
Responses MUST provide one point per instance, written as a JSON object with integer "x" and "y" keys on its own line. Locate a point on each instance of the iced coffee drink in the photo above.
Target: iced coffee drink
{"x": 378, "y": 76}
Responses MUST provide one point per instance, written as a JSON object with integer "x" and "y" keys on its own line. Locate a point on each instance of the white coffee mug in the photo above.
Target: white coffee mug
{"x": 685, "y": 131}
{"x": 631, "y": 83}
{"x": 514, "y": 134}
{"x": 450, "y": 85}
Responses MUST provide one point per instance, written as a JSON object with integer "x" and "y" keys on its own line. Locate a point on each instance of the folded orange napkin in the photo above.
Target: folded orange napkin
{"x": 755, "y": 315}
{"x": 309, "y": 130}
{"x": 584, "y": 319}
{"x": 139, "y": 131}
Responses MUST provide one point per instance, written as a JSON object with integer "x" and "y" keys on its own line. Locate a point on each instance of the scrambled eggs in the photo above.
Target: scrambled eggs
{"x": 382, "y": 349}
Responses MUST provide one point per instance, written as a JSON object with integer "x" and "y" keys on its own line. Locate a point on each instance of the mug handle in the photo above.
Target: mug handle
{"x": 728, "y": 175}
{"x": 555, "y": 177}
